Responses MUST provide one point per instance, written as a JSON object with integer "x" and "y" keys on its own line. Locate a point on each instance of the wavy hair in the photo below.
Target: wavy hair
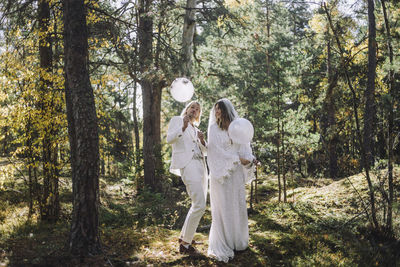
{"x": 228, "y": 113}
{"x": 184, "y": 111}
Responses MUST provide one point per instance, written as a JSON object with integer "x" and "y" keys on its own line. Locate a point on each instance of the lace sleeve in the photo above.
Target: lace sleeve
{"x": 222, "y": 155}
{"x": 246, "y": 152}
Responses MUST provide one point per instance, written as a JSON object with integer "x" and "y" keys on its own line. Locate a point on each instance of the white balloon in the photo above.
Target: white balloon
{"x": 241, "y": 131}
{"x": 182, "y": 89}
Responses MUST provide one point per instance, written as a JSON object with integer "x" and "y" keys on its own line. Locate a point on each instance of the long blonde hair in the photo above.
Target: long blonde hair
{"x": 184, "y": 111}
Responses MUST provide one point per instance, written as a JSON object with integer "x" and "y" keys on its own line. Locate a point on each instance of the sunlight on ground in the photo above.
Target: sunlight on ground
{"x": 165, "y": 245}
{"x": 13, "y": 218}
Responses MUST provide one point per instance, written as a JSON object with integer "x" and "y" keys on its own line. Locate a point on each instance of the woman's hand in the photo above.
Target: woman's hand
{"x": 186, "y": 121}
{"x": 200, "y": 135}
{"x": 244, "y": 161}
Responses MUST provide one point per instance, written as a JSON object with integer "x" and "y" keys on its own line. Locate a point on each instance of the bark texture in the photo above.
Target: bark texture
{"x": 83, "y": 132}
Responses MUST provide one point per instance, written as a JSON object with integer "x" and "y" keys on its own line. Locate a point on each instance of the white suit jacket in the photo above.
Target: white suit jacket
{"x": 183, "y": 144}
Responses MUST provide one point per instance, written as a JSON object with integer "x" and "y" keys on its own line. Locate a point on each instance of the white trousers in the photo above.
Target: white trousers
{"x": 195, "y": 178}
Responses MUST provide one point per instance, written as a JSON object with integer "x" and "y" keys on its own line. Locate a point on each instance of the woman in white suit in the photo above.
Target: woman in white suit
{"x": 188, "y": 151}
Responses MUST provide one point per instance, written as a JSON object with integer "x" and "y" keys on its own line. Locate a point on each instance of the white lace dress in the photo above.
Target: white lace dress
{"x": 229, "y": 227}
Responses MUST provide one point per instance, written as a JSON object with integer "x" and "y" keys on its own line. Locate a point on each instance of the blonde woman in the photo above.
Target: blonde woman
{"x": 188, "y": 161}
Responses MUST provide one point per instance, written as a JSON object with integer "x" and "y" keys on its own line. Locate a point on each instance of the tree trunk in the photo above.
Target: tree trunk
{"x": 136, "y": 126}
{"x": 283, "y": 163}
{"x": 328, "y": 121}
{"x": 136, "y": 130}
{"x": 36, "y": 186}
{"x": 50, "y": 200}
{"x": 389, "y": 220}
{"x": 268, "y": 56}
{"x": 278, "y": 159}
{"x": 151, "y": 99}
{"x": 370, "y": 106}
{"x": 30, "y": 166}
{"x": 189, "y": 28}
{"x": 369, "y": 110}
{"x": 151, "y": 133}
{"x": 83, "y": 132}
{"x": 278, "y": 143}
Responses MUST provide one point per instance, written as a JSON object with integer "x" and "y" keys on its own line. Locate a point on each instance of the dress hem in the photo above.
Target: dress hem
{"x": 220, "y": 258}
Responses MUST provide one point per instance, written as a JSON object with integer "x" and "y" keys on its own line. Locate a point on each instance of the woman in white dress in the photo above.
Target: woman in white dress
{"x": 231, "y": 167}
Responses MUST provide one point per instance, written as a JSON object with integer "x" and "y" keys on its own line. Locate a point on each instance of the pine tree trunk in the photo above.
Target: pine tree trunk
{"x": 30, "y": 167}
{"x": 283, "y": 163}
{"x": 189, "y": 28}
{"x": 83, "y": 132}
{"x": 369, "y": 110}
{"x": 134, "y": 75}
{"x": 389, "y": 220}
{"x": 370, "y": 106}
{"x": 151, "y": 133}
{"x": 278, "y": 143}
{"x": 136, "y": 130}
{"x": 278, "y": 159}
{"x": 328, "y": 121}
{"x": 268, "y": 56}
{"x": 151, "y": 99}
{"x": 50, "y": 200}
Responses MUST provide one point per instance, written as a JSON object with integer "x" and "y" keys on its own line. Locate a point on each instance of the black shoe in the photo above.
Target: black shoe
{"x": 194, "y": 242}
{"x": 191, "y": 251}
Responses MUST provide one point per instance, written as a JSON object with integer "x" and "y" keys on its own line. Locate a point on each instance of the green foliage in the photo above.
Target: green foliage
{"x": 259, "y": 63}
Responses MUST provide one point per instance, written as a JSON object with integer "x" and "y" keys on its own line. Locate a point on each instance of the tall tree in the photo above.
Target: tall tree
{"x": 50, "y": 197}
{"x": 151, "y": 92}
{"x": 328, "y": 122}
{"x": 82, "y": 130}
{"x": 391, "y": 79}
{"x": 369, "y": 109}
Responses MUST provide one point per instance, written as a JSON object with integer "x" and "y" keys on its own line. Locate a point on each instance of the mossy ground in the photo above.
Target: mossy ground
{"x": 322, "y": 224}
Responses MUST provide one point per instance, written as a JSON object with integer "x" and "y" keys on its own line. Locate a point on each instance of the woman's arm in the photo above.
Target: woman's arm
{"x": 221, "y": 160}
{"x": 246, "y": 154}
{"x": 174, "y": 129}
{"x": 202, "y": 143}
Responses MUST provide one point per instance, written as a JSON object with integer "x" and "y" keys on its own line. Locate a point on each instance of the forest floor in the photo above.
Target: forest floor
{"x": 322, "y": 224}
